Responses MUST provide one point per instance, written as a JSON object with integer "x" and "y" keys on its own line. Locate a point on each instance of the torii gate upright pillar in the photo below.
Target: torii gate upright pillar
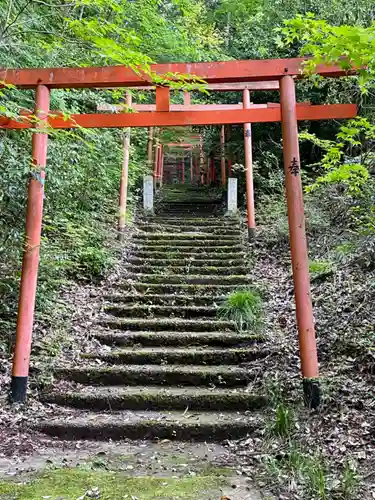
{"x": 30, "y": 263}
{"x": 150, "y": 146}
{"x": 298, "y": 243}
{"x": 249, "y": 171}
{"x": 124, "y": 177}
{"x": 222, "y": 156}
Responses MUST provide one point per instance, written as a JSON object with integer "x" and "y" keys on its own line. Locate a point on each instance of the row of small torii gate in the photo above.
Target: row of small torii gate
{"x": 242, "y": 75}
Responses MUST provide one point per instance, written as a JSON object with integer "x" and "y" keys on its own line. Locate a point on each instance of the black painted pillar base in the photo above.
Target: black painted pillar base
{"x": 251, "y": 233}
{"x": 311, "y": 392}
{"x": 18, "y": 389}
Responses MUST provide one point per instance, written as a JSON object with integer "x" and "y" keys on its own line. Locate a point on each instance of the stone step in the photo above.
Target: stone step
{"x": 214, "y": 210}
{"x": 180, "y": 338}
{"x": 185, "y": 237}
{"x": 219, "y": 263}
{"x": 178, "y": 288}
{"x": 191, "y": 201}
{"x": 211, "y": 250}
{"x": 155, "y": 398}
{"x": 179, "y": 356}
{"x": 204, "y": 230}
{"x": 174, "y": 242}
{"x": 171, "y": 324}
{"x": 188, "y": 279}
{"x": 205, "y": 427}
{"x": 193, "y": 221}
{"x": 187, "y": 269}
{"x": 161, "y": 311}
{"x": 175, "y": 375}
{"x": 164, "y": 299}
{"x": 186, "y": 253}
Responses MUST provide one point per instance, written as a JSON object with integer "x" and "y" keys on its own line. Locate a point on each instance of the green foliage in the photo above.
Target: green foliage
{"x": 358, "y": 133}
{"x": 350, "y": 480}
{"x": 244, "y": 307}
{"x": 320, "y": 266}
{"x": 310, "y": 474}
{"x": 346, "y": 46}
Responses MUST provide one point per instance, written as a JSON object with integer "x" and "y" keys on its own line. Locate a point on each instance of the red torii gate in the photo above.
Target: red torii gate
{"x": 284, "y": 70}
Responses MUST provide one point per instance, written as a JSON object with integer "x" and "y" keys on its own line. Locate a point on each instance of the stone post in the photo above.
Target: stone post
{"x": 148, "y": 194}
{"x": 232, "y": 196}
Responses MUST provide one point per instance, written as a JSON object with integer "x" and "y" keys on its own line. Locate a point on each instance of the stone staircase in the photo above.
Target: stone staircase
{"x": 169, "y": 367}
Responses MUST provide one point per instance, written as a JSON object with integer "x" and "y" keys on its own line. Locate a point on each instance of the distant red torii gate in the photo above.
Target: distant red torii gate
{"x": 283, "y": 70}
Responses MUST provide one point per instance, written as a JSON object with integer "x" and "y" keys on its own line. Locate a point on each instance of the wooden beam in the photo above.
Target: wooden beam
{"x": 226, "y": 87}
{"x": 185, "y": 118}
{"x": 118, "y": 108}
{"x": 121, "y": 76}
{"x": 162, "y": 99}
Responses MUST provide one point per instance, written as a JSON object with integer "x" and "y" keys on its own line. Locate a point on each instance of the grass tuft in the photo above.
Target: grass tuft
{"x": 283, "y": 422}
{"x": 244, "y": 308}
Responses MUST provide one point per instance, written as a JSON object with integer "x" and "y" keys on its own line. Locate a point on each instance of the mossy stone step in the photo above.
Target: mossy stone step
{"x": 188, "y": 269}
{"x": 212, "y": 250}
{"x": 183, "y": 262}
{"x": 180, "y": 356}
{"x": 189, "y": 279}
{"x": 187, "y": 253}
{"x": 177, "y": 222}
{"x": 156, "y": 398}
{"x": 175, "y": 375}
{"x": 164, "y": 299}
{"x": 181, "y": 338}
{"x": 210, "y": 230}
{"x": 189, "y": 237}
{"x": 173, "y": 241}
{"x": 161, "y": 311}
{"x": 207, "y": 219}
{"x": 193, "y": 210}
{"x": 177, "y": 288}
{"x": 151, "y": 425}
{"x": 171, "y": 324}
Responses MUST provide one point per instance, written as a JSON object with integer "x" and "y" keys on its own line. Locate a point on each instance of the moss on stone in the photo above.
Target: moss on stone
{"x": 72, "y": 483}
{"x": 155, "y": 398}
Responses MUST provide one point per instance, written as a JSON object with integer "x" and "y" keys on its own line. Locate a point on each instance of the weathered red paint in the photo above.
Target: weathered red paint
{"x": 161, "y": 167}
{"x": 156, "y": 158}
{"x": 187, "y": 99}
{"x": 296, "y": 217}
{"x": 186, "y": 118}
{"x": 150, "y": 147}
{"x": 191, "y": 166}
{"x": 162, "y": 98}
{"x": 124, "y": 177}
{"x": 30, "y": 263}
{"x": 121, "y": 76}
{"x": 250, "y": 206}
{"x": 222, "y": 157}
